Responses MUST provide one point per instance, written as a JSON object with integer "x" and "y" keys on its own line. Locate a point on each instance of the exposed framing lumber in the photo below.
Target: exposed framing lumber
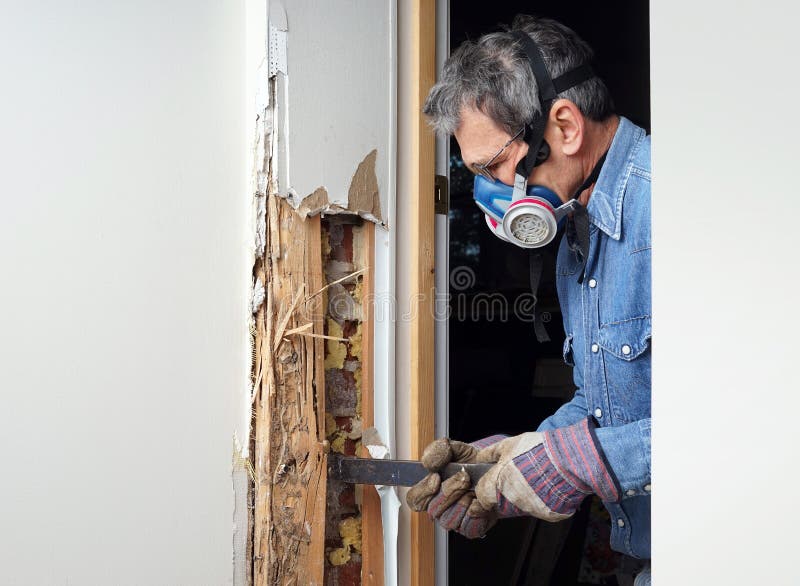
{"x": 372, "y": 569}
{"x": 290, "y": 459}
{"x": 423, "y": 144}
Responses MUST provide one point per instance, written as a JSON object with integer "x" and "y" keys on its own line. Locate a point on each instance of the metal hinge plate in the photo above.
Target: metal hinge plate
{"x": 441, "y": 195}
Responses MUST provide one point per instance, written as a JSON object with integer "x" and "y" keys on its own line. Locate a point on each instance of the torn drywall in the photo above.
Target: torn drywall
{"x": 363, "y": 197}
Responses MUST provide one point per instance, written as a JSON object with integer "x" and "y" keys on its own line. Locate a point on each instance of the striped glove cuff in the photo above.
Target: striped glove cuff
{"x": 558, "y": 495}
{"x": 577, "y": 455}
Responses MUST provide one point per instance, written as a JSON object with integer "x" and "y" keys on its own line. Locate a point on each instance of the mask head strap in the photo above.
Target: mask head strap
{"x": 549, "y": 88}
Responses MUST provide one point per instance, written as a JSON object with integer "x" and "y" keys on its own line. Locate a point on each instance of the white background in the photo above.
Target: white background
{"x": 726, "y": 321}
{"x": 123, "y": 247}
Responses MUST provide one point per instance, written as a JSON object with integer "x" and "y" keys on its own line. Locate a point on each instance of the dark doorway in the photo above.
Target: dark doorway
{"x": 501, "y": 379}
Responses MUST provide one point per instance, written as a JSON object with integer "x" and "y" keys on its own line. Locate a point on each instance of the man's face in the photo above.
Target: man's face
{"x": 480, "y": 139}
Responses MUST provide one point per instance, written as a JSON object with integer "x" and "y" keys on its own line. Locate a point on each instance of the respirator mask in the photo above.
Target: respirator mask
{"x": 531, "y": 221}
{"x": 529, "y": 217}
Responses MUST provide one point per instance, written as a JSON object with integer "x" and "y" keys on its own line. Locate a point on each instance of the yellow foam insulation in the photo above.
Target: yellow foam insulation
{"x": 350, "y": 532}
{"x": 357, "y": 378}
{"x": 358, "y": 291}
{"x": 335, "y": 436}
{"x": 330, "y": 425}
{"x": 355, "y": 342}
{"x": 337, "y": 351}
{"x": 339, "y": 556}
{"x": 337, "y": 444}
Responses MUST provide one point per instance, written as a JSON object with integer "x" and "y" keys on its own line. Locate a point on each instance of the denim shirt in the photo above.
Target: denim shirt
{"x": 607, "y": 319}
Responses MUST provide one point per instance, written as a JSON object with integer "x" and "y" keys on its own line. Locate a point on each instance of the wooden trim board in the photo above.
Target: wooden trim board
{"x": 423, "y": 156}
{"x": 372, "y": 568}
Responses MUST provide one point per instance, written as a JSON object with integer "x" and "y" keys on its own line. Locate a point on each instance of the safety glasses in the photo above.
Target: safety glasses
{"x": 482, "y": 169}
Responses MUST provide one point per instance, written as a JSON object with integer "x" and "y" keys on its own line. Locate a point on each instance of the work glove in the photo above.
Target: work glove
{"x": 542, "y": 474}
{"x": 452, "y": 503}
{"x": 546, "y": 475}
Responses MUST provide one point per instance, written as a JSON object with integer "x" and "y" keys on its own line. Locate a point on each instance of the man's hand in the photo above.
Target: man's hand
{"x": 452, "y": 503}
{"x": 545, "y": 475}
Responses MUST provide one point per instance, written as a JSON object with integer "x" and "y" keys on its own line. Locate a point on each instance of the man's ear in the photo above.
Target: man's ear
{"x": 568, "y": 125}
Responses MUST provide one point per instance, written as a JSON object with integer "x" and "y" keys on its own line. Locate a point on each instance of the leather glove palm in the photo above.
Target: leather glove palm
{"x": 453, "y": 503}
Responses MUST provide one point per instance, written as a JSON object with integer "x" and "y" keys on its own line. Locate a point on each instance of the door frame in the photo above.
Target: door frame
{"x": 422, "y": 281}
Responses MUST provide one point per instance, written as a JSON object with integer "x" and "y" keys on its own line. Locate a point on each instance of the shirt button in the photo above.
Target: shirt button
{"x": 592, "y": 283}
{"x": 626, "y": 349}
{"x": 630, "y": 492}
{"x": 620, "y": 523}
{"x": 598, "y": 413}
{"x": 647, "y": 488}
{"x": 595, "y": 348}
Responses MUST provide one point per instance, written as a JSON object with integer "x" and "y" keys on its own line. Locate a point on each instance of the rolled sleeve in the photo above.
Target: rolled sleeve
{"x": 627, "y": 451}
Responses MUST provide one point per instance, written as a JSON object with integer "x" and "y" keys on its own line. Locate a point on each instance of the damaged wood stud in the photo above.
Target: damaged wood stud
{"x": 289, "y": 515}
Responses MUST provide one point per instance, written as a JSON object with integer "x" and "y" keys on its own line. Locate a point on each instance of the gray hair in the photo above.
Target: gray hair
{"x": 493, "y": 75}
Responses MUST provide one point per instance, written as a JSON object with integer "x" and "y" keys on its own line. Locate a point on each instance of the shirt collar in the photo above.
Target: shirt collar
{"x": 605, "y": 203}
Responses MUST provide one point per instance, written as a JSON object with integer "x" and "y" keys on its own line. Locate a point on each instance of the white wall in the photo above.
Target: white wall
{"x": 726, "y": 320}
{"x": 124, "y": 267}
{"x": 340, "y": 90}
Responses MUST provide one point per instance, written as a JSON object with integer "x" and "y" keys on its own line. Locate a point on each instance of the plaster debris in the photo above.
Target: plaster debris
{"x": 342, "y": 306}
{"x": 259, "y": 293}
{"x": 342, "y": 396}
{"x": 337, "y": 270}
{"x": 355, "y": 431}
{"x": 371, "y": 439}
{"x": 261, "y": 225}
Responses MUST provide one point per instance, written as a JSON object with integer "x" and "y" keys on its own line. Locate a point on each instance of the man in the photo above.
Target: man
{"x": 493, "y": 96}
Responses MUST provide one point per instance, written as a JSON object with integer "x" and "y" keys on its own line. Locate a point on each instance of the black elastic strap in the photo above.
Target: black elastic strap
{"x": 535, "y": 262}
{"x": 534, "y": 131}
{"x": 578, "y": 237}
{"x": 592, "y": 178}
{"x": 573, "y": 77}
{"x": 578, "y": 222}
{"x": 547, "y": 91}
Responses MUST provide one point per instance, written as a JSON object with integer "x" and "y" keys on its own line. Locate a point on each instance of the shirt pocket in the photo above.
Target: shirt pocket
{"x": 628, "y": 339}
{"x": 569, "y": 357}
{"x": 626, "y": 360}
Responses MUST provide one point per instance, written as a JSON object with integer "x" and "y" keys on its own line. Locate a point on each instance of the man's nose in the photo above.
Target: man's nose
{"x": 507, "y": 170}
